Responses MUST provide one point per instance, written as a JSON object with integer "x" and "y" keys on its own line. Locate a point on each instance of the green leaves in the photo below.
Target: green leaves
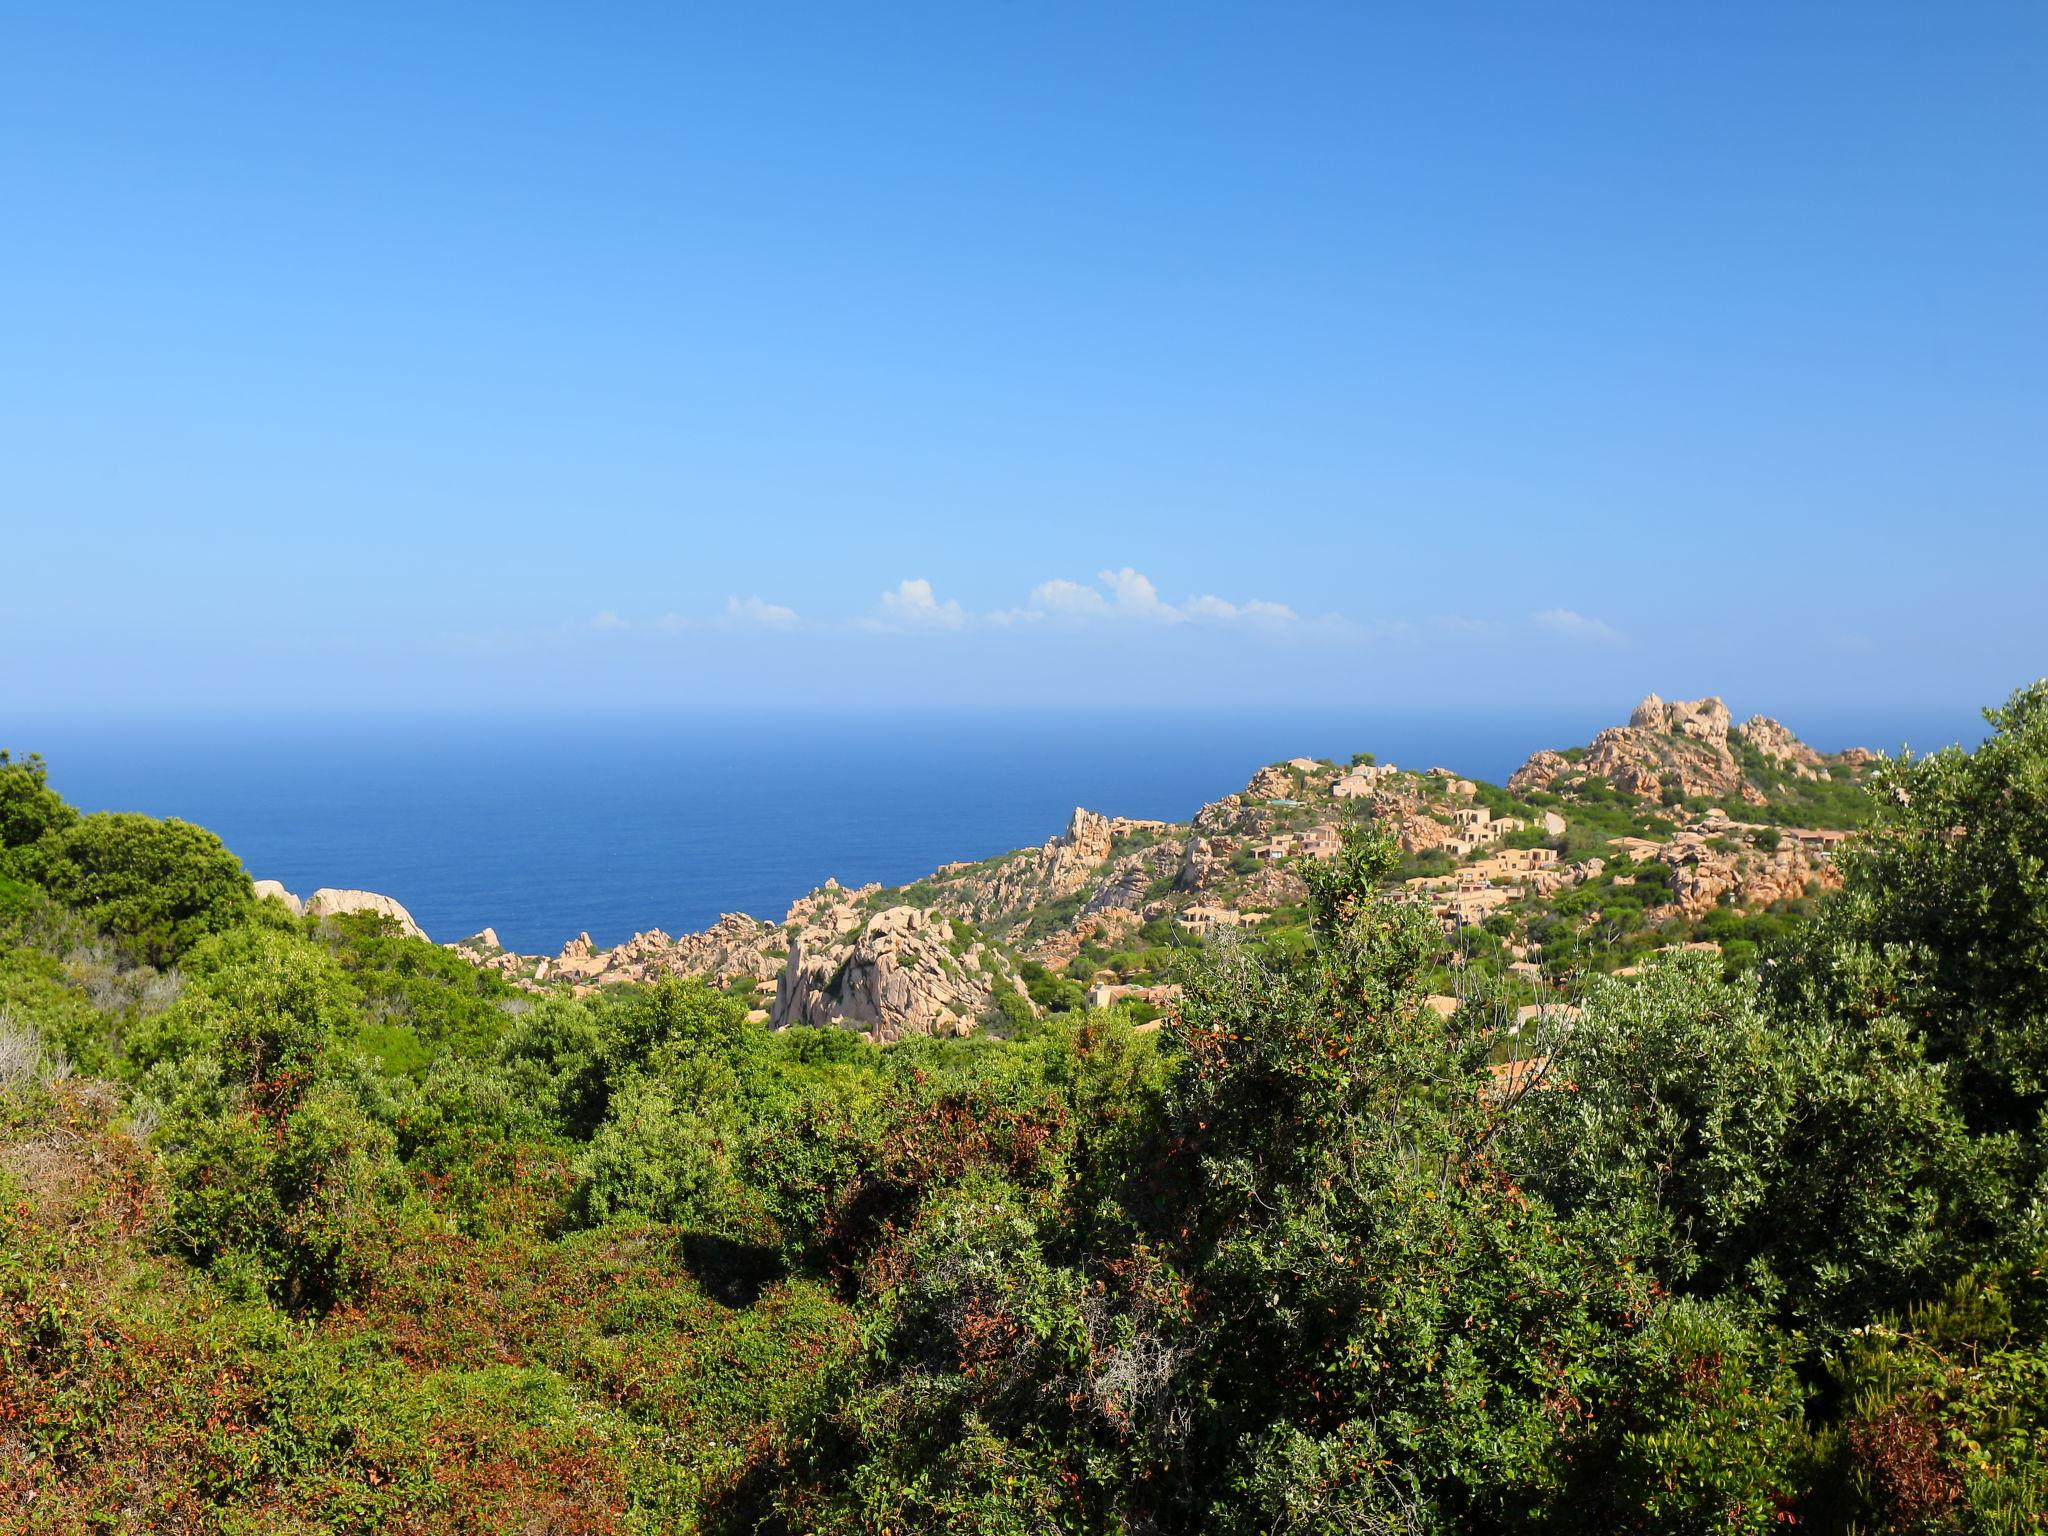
{"x": 155, "y": 887}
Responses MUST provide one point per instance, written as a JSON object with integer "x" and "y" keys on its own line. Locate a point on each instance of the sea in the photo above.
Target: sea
{"x": 544, "y": 828}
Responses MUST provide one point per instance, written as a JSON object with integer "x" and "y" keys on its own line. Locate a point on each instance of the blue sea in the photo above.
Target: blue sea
{"x": 545, "y": 828}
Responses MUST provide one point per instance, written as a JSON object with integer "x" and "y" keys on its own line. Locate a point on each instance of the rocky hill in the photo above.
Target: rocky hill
{"x": 1679, "y": 827}
{"x": 1685, "y": 750}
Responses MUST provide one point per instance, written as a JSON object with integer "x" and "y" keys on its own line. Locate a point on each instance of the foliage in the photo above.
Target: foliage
{"x": 156, "y": 887}
{"x": 29, "y": 808}
{"x": 329, "y": 1230}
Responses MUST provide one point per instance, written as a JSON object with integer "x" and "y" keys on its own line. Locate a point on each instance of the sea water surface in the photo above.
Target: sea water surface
{"x": 544, "y": 828}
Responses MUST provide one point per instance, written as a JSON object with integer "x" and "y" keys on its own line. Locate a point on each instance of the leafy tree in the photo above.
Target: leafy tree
{"x": 1947, "y": 900}
{"x": 29, "y": 808}
{"x": 156, "y": 887}
{"x": 1746, "y": 1154}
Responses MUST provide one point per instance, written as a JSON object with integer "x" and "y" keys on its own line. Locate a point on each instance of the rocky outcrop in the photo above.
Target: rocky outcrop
{"x": 1063, "y": 866}
{"x": 1701, "y": 720}
{"x": 1539, "y": 772}
{"x": 898, "y": 977}
{"x": 271, "y": 890}
{"x": 1702, "y": 879}
{"x": 1419, "y": 834}
{"x": 328, "y": 902}
{"x": 1776, "y": 744}
{"x": 1274, "y": 783}
{"x": 1680, "y": 745}
{"x": 1683, "y": 746}
{"x": 735, "y": 946}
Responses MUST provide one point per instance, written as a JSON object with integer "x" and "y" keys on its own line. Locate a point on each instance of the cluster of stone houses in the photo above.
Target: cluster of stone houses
{"x": 1317, "y": 842}
{"x": 1204, "y": 917}
{"x": 1477, "y": 828}
{"x": 1470, "y": 895}
{"x": 1361, "y": 782}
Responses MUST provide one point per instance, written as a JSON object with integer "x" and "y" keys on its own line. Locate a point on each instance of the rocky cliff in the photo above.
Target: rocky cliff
{"x": 906, "y": 972}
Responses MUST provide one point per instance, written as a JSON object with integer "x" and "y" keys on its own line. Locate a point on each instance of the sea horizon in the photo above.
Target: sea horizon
{"x": 546, "y": 825}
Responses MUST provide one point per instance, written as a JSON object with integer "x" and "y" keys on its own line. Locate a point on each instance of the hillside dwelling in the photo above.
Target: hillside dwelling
{"x": 1560, "y": 1015}
{"x": 1284, "y": 846}
{"x": 1303, "y": 764}
{"x": 1203, "y": 918}
{"x": 1471, "y": 816}
{"x": 1470, "y": 907}
{"x": 1321, "y": 843}
{"x": 1105, "y": 994}
{"x": 1360, "y": 782}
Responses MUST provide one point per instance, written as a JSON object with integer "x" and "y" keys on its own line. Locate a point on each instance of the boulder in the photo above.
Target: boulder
{"x": 328, "y": 902}
{"x": 271, "y": 890}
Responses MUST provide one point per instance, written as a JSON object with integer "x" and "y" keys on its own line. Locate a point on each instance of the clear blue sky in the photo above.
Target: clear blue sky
{"x": 385, "y": 354}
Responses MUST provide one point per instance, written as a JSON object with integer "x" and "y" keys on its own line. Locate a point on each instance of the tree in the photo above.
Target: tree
{"x": 29, "y": 808}
{"x": 155, "y": 887}
{"x": 1945, "y": 910}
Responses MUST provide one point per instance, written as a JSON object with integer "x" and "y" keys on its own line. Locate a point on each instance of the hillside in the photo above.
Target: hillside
{"x": 1675, "y": 829}
{"x": 309, "y": 1224}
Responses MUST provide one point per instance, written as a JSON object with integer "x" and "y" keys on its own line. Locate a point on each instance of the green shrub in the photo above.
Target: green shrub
{"x": 155, "y": 887}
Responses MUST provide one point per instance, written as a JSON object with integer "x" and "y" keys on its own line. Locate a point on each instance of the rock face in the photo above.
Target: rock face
{"x": 271, "y": 890}
{"x": 1274, "y": 783}
{"x": 1703, "y": 720}
{"x": 1071, "y": 863}
{"x": 1680, "y": 745}
{"x": 734, "y": 946}
{"x": 1772, "y": 741}
{"x": 898, "y": 977}
{"x": 328, "y": 902}
{"x": 1703, "y": 877}
{"x": 1684, "y": 746}
{"x": 1541, "y": 771}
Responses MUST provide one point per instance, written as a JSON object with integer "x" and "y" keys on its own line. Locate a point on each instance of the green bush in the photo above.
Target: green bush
{"x": 155, "y": 887}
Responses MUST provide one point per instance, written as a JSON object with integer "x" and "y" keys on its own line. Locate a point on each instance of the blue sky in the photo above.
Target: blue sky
{"x": 668, "y": 357}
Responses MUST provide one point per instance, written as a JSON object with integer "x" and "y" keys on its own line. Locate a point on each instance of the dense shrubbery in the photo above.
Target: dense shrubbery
{"x": 332, "y": 1231}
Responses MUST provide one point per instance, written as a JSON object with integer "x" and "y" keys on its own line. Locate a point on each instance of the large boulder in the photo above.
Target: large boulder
{"x": 328, "y": 902}
{"x": 272, "y": 890}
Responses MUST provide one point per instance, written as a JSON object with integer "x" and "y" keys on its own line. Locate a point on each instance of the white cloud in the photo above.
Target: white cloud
{"x": 607, "y": 621}
{"x": 1577, "y": 627}
{"x": 1130, "y": 594}
{"x": 913, "y": 605}
{"x": 1067, "y": 599}
{"x": 1135, "y": 597}
{"x": 752, "y": 611}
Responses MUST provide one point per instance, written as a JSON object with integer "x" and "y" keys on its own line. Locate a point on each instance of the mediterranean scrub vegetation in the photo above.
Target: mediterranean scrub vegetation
{"x": 305, "y": 1226}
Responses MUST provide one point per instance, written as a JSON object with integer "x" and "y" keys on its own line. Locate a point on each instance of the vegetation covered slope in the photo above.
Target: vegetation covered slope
{"x": 305, "y": 1226}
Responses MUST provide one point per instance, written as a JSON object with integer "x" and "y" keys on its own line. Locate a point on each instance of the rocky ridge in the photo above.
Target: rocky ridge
{"x": 954, "y": 951}
{"x": 1681, "y": 747}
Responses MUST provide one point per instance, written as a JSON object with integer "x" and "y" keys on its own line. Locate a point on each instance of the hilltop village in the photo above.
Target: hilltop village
{"x": 1679, "y": 829}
